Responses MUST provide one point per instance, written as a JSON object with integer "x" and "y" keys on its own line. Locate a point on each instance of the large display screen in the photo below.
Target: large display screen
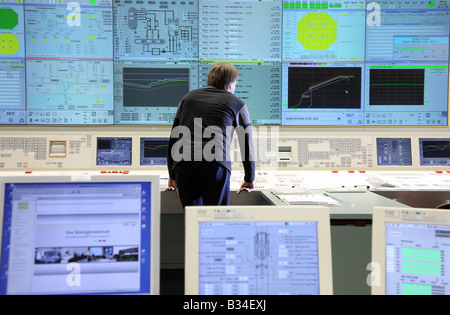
{"x": 301, "y": 62}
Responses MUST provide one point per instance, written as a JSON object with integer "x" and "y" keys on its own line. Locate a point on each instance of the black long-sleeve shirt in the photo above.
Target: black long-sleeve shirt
{"x": 204, "y": 124}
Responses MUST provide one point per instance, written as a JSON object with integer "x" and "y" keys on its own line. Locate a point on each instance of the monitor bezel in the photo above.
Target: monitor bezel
{"x": 383, "y": 215}
{"x": 318, "y": 214}
{"x": 422, "y": 159}
{"x": 142, "y": 149}
{"x": 97, "y": 150}
{"x": 86, "y": 178}
{"x": 410, "y": 153}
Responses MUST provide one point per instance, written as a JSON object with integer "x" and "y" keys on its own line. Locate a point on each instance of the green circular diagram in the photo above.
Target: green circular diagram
{"x": 8, "y": 19}
{"x": 316, "y": 31}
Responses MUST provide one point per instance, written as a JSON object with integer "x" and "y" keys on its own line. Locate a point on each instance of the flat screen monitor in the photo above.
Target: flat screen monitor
{"x": 154, "y": 151}
{"x": 114, "y": 151}
{"x": 434, "y": 151}
{"x": 97, "y": 235}
{"x": 263, "y": 104}
{"x": 254, "y": 250}
{"x": 148, "y": 93}
{"x": 394, "y": 151}
{"x": 410, "y": 251}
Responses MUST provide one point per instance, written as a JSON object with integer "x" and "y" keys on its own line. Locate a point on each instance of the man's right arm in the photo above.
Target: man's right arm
{"x": 245, "y": 138}
{"x": 176, "y": 122}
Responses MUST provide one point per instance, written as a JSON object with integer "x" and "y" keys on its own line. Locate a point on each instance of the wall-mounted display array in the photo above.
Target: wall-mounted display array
{"x": 301, "y": 62}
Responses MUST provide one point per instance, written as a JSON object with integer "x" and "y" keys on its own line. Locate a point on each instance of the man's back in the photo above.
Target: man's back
{"x": 216, "y": 107}
{"x": 199, "y": 160}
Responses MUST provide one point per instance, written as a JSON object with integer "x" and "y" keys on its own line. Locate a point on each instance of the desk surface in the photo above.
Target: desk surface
{"x": 419, "y": 199}
{"x": 170, "y": 203}
{"x": 354, "y": 206}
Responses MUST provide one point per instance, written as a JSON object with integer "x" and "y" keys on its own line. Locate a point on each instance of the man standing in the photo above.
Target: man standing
{"x": 199, "y": 164}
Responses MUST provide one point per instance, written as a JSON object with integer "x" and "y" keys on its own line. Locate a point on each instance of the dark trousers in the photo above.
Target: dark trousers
{"x": 202, "y": 183}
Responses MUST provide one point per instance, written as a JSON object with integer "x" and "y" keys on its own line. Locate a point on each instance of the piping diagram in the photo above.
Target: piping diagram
{"x": 158, "y": 32}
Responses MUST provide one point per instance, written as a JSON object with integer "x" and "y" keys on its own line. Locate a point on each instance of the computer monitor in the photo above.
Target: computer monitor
{"x": 114, "y": 151}
{"x": 394, "y": 151}
{"x": 410, "y": 251}
{"x": 434, "y": 151}
{"x": 91, "y": 235}
{"x": 154, "y": 151}
{"x": 258, "y": 250}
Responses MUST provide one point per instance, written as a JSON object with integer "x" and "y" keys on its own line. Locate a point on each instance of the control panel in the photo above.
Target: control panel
{"x": 273, "y": 150}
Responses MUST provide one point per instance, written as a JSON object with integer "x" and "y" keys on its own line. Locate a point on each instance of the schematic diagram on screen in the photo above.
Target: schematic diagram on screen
{"x": 260, "y": 258}
{"x": 262, "y": 254}
{"x": 156, "y": 32}
{"x": 48, "y": 34}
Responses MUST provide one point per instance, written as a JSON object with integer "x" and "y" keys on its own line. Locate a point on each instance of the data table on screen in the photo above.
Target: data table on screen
{"x": 240, "y": 30}
{"x": 263, "y": 103}
{"x": 417, "y": 259}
